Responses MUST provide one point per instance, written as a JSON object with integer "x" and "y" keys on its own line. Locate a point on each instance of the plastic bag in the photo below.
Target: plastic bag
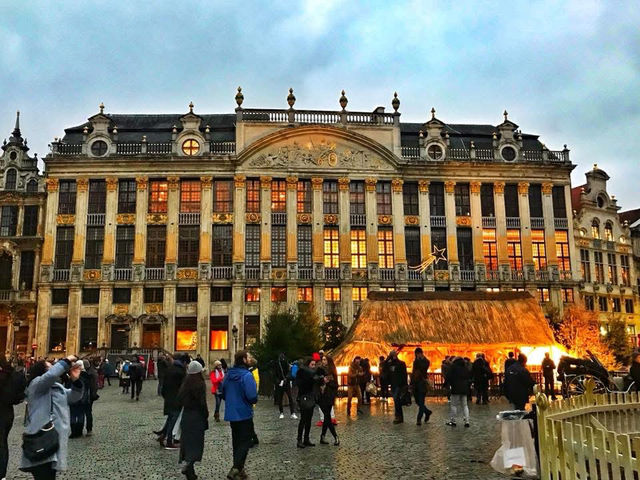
{"x": 177, "y": 430}
{"x": 517, "y": 453}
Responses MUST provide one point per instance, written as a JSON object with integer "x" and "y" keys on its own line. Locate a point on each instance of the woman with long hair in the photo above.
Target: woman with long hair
{"x": 195, "y": 414}
{"x": 307, "y": 380}
{"x": 48, "y": 403}
{"x": 217, "y": 376}
{"x": 328, "y": 395}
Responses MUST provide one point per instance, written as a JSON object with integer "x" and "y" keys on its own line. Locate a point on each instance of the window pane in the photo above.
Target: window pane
{"x": 186, "y": 333}
{"x": 223, "y": 196}
{"x": 219, "y": 333}
{"x": 158, "y": 196}
{"x": 190, "y": 196}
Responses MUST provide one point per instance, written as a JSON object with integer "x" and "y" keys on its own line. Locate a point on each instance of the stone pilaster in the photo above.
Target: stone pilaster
{"x": 142, "y": 205}
{"x": 237, "y": 317}
{"x": 265, "y": 230}
{"x": 43, "y": 316}
{"x": 425, "y": 220}
{"x": 173, "y": 208}
{"x": 110, "y": 222}
{"x": 450, "y": 214}
{"x": 476, "y": 229}
{"x": 344, "y": 228}
{"x": 399, "y": 246}
{"x": 317, "y": 226}
{"x": 525, "y": 229}
{"x": 371, "y": 210}
{"x": 104, "y": 309}
{"x": 20, "y": 225}
{"x": 292, "y": 227}
{"x": 204, "y": 315}
{"x": 549, "y": 229}
{"x": 169, "y": 307}
{"x": 73, "y": 319}
{"x": 80, "y": 232}
{"x": 206, "y": 209}
{"x": 501, "y": 224}
{"x": 50, "y": 223}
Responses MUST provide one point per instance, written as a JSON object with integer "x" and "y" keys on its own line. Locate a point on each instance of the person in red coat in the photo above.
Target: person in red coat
{"x": 151, "y": 368}
{"x": 216, "y": 376}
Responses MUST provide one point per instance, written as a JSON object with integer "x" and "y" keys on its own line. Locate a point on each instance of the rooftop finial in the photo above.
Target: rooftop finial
{"x": 291, "y": 98}
{"x": 343, "y": 100}
{"x": 101, "y": 107}
{"x": 433, "y": 113}
{"x": 239, "y": 97}
{"x": 17, "y": 129}
{"x": 506, "y": 115}
{"x": 395, "y": 103}
{"x": 190, "y": 107}
{"x": 595, "y": 166}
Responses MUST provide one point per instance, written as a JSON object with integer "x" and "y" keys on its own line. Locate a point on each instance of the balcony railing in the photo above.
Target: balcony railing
{"x": 61, "y": 274}
{"x": 332, "y": 274}
{"x": 537, "y": 222}
{"x": 129, "y": 148}
{"x": 223, "y": 148}
{"x": 5, "y": 295}
{"x": 221, "y": 273}
{"x": 513, "y": 222}
{"x": 542, "y": 275}
{"x": 413, "y": 155}
{"x": 484, "y": 154}
{"x": 358, "y": 220}
{"x": 189, "y": 218}
{"x": 67, "y": 148}
{"x": 387, "y": 274}
{"x": 493, "y": 275}
{"x": 415, "y": 275}
{"x": 252, "y": 273}
{"x": 489, "y": 222}
{"x": 278, "y": 218}
{"x": 154, "y": 273}
{"x": 122, "y": 274}
{"x": 561, "y": 223}
{"x": 305, "y": 274}
{"x": 315, "y": 117}
{"x": 467, "y": 275}
{"x": 566, "y": 275}
{"x": 95, "y": 219}
{"x": 410, "y": 152}
{"x": 517, "y": 275}
{"x": 438, "y": 221}
{"x": 160, "y": 148}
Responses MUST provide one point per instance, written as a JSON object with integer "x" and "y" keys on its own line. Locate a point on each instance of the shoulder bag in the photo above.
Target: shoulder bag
{"x": 44, "y": 443}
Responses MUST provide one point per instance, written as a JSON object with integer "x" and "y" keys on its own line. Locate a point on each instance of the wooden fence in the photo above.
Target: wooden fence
{"x": 595, "y": 437}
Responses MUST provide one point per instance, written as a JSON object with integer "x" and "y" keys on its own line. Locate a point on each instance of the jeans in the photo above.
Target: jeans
{"x": 397, "y": 403}
{"x": 241, "y": 433}
{"x": 280, "y": 392}
{"x": 43, "y": 472}
{"x": 77, "y": 414}
{"x": 459, "y": 402}
{"x": 6, "y": 422}
{"x": 160, "y": 382}
{"x": 172, "y": 417}
{"x": 218, "y": 402}
{"x": 420, "y": 393}
{"x": 353, "y": 391}
{"x": 327, "y": 424}
{"x": 88, "y": 413}
{"x": 304, "y": 425}
{"x": 136, "y": 388}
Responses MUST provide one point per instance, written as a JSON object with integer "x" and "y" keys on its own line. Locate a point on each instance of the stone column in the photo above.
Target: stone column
{"x": 371, "y": 210}
{"x": 450, "y": 214}
{"x": 36, "y": 267}
{"x": 80, "y": 231}
{"x": 399, "y": 246}
{"x": 265, "y": 231}
{"x": 550, "y": 231}
{"x": 476, "y": 230}
{"x": 573, "y": 250}
{"x": 344, "y": 228}
{"x": 501, "y": 230}
{"x": 204, "y": 315}
{"x": 525, "y": 230}
{"x": 50, "y": 227}
{"x": 169, "y": 308}
{"x": 104, "y": 309}
{"x": 142, "y": 205}
{"x": 73, "y": 319}
{"x": 135, "y": 310}
{"x": 173, "y": 207}
{"x": 292, "y": 229}
{"x": 42, "y": 320}
{"x": 425, "y": 219}
{"x": 110, "y": 222}
{"x": 237, "y": 317}
{"x": 20, "y": 225}
{"x": 239, "y": 222}
{"x": 317, "y": 225}
{"x": 206, "y": 209}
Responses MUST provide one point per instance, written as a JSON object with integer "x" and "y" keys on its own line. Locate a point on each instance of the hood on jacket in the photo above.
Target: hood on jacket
{"x": 235, "y": 374}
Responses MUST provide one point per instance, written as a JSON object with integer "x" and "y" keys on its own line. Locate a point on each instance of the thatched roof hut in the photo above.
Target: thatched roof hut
{"x": 445, "y": 323}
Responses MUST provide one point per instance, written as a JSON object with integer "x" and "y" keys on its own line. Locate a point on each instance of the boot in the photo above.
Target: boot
{"x": 307, "y": 443}
{"x": 336, "y": 441}
{"x": 233, "y": 474}
{"x": 216, "y": 416}
{"x": 323, "y": 441}
{"x": 300, "y": 444}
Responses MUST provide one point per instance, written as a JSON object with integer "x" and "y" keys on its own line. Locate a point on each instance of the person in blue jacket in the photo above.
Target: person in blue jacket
{"x": 240, "y": 393}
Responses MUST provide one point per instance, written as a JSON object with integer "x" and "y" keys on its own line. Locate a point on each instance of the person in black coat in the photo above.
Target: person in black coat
{"x": 308, "y": 381}
{"x": 458, "y": 379}
{"x": 82, "y": 409}
{"x": 283, "y": 385}
{"x": 192, "y": 397}
{"x": 173, "y": 379}
{"x": 12, "y": 392}
{"x": 383, "y": 376}
{"x": 634, "y": 371}
{"x": 548, "y": 368}
{"x": 509, "y": 361}
{"x": 419, "y": 376}
{"x": 518, "y": 383}
{"x": 398, "y": 381}
{"x": 136, "y": 374}
{"x": 328, "y": 394}
{"x": 481, "y": 376}
{"x": 161, "y": 366}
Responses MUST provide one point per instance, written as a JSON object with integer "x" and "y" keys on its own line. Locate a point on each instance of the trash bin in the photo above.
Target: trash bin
{"x": 517, "y": 454}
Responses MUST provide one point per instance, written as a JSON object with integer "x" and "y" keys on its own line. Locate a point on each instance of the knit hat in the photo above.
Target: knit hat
{"x": 217, "y": 363}
{"x": 315, "y": 356}
{"x": 194, "y": 367}
{"x": 80, "y": 363}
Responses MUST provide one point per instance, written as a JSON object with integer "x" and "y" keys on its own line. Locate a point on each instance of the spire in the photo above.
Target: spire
{"x": 16, "y": 130}
{"x": 16, "y": 136}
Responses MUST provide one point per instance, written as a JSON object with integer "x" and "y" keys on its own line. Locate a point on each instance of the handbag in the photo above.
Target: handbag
{"x": 42, "y": 444}
{"x": 372, "y": 388}
{"x": 405, "y": 397}
{"x": 307, "y": 402}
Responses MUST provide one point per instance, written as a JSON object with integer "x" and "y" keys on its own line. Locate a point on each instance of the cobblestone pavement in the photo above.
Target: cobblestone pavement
{"x": 123, "y": 447}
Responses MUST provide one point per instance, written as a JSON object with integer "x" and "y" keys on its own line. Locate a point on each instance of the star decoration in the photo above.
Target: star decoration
{"x": 438, "y": 253}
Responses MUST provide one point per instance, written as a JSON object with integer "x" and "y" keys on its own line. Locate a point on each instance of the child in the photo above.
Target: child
{"x": 125, "y": 380}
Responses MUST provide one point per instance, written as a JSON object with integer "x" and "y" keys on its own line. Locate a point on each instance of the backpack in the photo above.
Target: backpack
{"x": 125, "y": 367}
{"x": 294, "y": 370}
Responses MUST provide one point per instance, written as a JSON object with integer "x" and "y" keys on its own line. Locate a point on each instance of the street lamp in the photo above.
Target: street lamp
{"x": 234, "y": 331}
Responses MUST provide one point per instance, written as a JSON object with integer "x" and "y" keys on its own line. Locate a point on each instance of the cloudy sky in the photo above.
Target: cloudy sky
{"x": 569, "y": 71}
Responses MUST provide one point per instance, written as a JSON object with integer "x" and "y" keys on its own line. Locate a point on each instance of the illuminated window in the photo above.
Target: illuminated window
{"x": 462, "y": 199}
{"x": 356, "y": 198}
{"x": 158, "y": 196}
{"x": 562, "y": 250}
{"x": 278, "y": 196}
{"x": 490, "y": 249}
{"x": 539, "y": 252}
{"x": 383, "y": 198}
{"x": 359, "y": 294}
{"x": 57, "y": 334}
{"x": 595, "y": 228}
{"x": 612, "y": 268}
{"x": 387, "y": 289}
{"x": 190, "y": 196}
{"x": 597, "y": 256}
{"x": 305, "y": 294}
{"x": 385, "y": 247}
{"x": 223, "y": 196}
{"x": 332, "y": 294}
{"x": 304, "y": 196}
{"x": 567, "y": 295}
{"x": 514, "y": 249}
{"x": 186, "y": 333}
{"x": 218, "y": 333}
{"x": 330, "y": 196}
{"x": 331, "y": 248}
{"x": 624, "y": 265}
{"x": 253, "y": 196}
{"x": 358, "y": 248}
{"x": 585, "y": 265}
{"x": 190, "y": 147}
{"x": 251, "y": 330}
{"x": 252, "y": 294}
{"x": 278, "y": 294}
{"x": 543, "y": 294}
{"x": 608, "y": 232}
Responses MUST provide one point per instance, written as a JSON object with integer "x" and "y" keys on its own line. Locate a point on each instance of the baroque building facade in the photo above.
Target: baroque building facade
{"x": 21, "y": 234}
{"x": 185, "y": 231}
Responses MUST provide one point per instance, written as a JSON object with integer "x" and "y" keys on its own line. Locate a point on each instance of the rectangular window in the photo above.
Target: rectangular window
{"x": 535, "y": 201}
{"x": 97, "y": 196}
{"x": 122, "y": 295}
{"x": 465, "y": 249}
{"x": 356, "y": 198}
{"x": 278, "y": 294}
{"x": 487, "y": 205}
{"x": 190, "y": 196}
{"x": 490, "y": 249}
{"x": 64, "y": 247}
{"x": 221, "y": 294}
{"x": 612, "y": 268}
{"x": 156, "y": 246}
{"x": 278, "y": 196}
{"x": 436, "y": 199}
{"x": 331, "y": 247}
{"x": 158, "y": 196}
{"x": 253, "y": 195}
{"x": 278, "y": 246}
{"x": 186, "y": 333}
{"x": 412, "y": 246}
{"x": 223, "y": 196}
{"x": 567, "y": 295}
{"x": 385, "y": 247}
{"x": 585, "y": 265}
{"x": 125, "y": 236}
{"x": 597, "y": 256}
{"x": 603, "y": 304}
{"x": 154, "y": 295}
{"x": 127, "y": 191}
{"x": 332, "y": 294}
{"x": 305, "y": 259}
{"x": 59, "y": 296}
{"x": 410, "y": 198}
{"x": 252, "y": 246}
{"x": 188, "y": 245}
{"x": 462, "y": 199}
{"x": 511, "y": 200}
{"x": 27, "y": 259}
{"x": 305, "y": 294}
{"x": 589, "y": 303}
{"x": 9, "y": 221}
{"x": 58, "y": 335}
{"x": 358, "y": 248}
{"x": 330, "y": 196}
{"x": 94, "y": 247}
{"x": 251, "y": 330}
{"x": 628, "y": 305}
{"x": 559, "y": 205}
{"x": 624, "y": 266}
{"x": 615, "y": 305}
{"x": 359, "y": 294}
{"x": 562, "y": 250}
{"x": 91, "y": 296}
{"x": 218, "y": 333}
{"x": 543, "y": 294}
{"x": 304, "y": 197}
{"x": 186, "y": 294}
{"x": 383, "y": 198}
{"x": 67, "y": 197}
{"x": 30, "y": 222}
{"x": 88, "y": 334}
{"x": 539, "y": 252}
{"x": 514, "y": 249}
{"x": 222, "y": 247}
{"x": 439, "y": 241}
{"x": 252, "y": 294}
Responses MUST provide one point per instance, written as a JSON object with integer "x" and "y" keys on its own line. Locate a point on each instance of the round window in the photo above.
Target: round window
{"x": 13, "y": 155}
{"x": 600, "y": 201}
{"x": 435, "y": 152}
{"x": 190, "y": 147}
{"x": 99, "y": 148}
{"x": 509, "y": 154}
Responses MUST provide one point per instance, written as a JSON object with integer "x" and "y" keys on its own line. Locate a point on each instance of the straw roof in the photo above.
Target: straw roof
{"x": 389, "y": 319}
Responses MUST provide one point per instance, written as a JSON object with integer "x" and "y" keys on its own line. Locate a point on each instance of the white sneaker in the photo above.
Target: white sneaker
{"x": 294, "y": 416}
{"x": 281, "y": 416}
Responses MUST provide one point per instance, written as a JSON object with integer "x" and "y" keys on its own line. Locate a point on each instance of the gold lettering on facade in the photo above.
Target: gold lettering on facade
{"x": 126, "y": 218}
{"x": 222, "y": 218}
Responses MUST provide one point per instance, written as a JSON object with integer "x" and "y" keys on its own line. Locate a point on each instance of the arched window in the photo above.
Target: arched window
{"x": 32, "y": 186}
{"x": 11, "y": 179}
{"x": 608, "y": 232}
{"x": 595, "y": 228}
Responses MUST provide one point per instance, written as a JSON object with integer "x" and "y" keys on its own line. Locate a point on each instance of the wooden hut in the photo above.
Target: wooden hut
{"x": 449, "y": 323}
